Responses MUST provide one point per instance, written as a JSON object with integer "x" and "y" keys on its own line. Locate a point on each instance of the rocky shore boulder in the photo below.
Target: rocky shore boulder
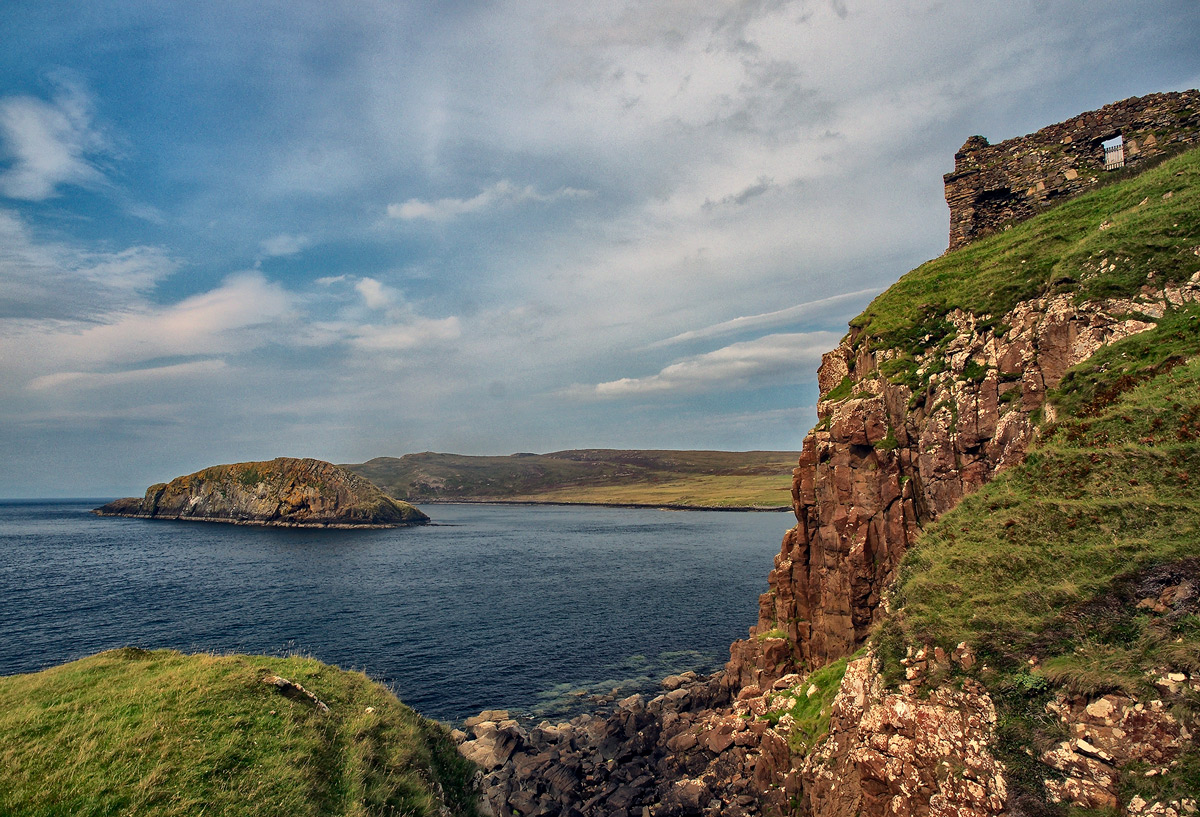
{"x": 283, "y": 492}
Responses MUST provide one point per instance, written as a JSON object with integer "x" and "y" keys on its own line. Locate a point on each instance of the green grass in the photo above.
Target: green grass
{"x": 703, "y": 479}
{"x": 1049, "y": 561}
{"x": 810, "y": 713}
{"x": 699, "y": 491}
{"x": 161, "y": 733}
{"x": 1108, "y": 491}
{"x": 1062, "y": 250}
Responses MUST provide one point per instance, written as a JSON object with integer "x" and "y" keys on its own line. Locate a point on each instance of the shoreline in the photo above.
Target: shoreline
{"x": 261, "y": 523}
{"x": 636, "y": 505}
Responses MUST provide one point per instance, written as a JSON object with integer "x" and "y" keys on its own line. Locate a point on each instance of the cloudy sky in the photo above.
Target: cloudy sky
{"x": 234, "y": 231}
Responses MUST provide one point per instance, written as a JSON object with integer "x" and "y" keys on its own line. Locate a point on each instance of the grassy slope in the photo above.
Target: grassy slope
{"x": 1049, "y": 561}
{"x": 594, "y": 476}
{"x": 1062, "y": 250}
{"x": 161, "y": 733}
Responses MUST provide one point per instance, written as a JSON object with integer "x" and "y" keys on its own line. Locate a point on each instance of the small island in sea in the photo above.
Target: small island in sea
{"x": 283, "y": 492}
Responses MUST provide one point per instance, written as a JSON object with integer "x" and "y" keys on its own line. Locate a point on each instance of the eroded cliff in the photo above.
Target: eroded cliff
{"x": 990, "y": 603}
{"x": 885, "y": 459}
{"x": 284, "y": 492}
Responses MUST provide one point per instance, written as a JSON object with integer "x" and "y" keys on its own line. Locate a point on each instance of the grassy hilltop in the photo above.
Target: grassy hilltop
{"x": 162, "y": 733}
{"x": 1077, "y": 570}
{"x": 700, "y": 479}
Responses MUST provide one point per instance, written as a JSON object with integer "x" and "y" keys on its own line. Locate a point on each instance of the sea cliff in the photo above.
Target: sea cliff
{"x": 284, "y": 492}
{"x": 990, "y": 603}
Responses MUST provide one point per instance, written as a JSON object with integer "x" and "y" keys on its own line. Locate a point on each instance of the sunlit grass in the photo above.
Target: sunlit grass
{"x": 161, "y": 733}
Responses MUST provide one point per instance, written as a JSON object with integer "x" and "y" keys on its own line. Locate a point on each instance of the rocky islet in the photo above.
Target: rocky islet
{"x": 284, "y": 492}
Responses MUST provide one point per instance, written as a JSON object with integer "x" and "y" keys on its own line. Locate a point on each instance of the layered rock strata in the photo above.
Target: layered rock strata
{"x": 883, "y": 461}
{"x": 992, "y": 186}
{"x": 283, "y": 492}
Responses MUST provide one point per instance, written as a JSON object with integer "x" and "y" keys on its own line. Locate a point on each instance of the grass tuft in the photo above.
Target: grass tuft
{"x": 809, "y": 714}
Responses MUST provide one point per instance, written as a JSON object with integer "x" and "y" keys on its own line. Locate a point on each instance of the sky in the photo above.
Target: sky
{"x": 236, "y": 231}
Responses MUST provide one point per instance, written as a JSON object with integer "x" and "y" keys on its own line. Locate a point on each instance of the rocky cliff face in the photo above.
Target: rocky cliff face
{"x": 928, "y": 398}
{"x": 284, "y": 492}
{"x": 884, "y": 460}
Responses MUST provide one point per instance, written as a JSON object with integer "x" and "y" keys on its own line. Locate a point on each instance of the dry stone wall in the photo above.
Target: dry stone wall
{"x": 995, "y": 185}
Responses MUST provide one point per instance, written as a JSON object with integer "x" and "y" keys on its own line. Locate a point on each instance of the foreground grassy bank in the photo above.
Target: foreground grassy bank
{"x": 162, "y": 733}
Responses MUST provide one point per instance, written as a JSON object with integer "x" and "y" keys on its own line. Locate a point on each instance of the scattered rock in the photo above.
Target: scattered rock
{"x": 290, "y": 689}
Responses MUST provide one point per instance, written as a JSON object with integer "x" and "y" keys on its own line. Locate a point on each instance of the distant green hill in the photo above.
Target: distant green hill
{"x": 700, "y": 479}
{"x": 160, "y": 733}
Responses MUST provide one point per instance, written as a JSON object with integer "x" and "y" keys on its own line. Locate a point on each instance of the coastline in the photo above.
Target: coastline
{"x": 637, "y": 505}
{"x": 259, "y": 523}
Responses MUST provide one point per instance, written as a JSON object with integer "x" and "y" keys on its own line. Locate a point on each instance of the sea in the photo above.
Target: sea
{"x": 545, "y": 611}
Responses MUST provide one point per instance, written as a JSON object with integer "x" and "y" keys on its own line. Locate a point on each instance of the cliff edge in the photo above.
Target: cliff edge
{"x": 990, "y": 602}
{"x": 283, "y": 492}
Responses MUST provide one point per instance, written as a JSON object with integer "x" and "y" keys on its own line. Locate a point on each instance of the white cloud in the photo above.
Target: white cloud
{"x": 236, "y": 316}
{"x": 502, "y": 193}
{"x": 765, "y": 320}
{"x": 374, "y": 294}
{"x": 49, "y": 144}
{"x": 92, "y": 380}
{"x": 50, "y": 279}
{"x": 282, "y": 245}
{"x": 407, "y": 336}
{"x": 770, "y": 359}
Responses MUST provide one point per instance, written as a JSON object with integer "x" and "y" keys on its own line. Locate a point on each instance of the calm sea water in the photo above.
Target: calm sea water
{"x": 533, "y": 609}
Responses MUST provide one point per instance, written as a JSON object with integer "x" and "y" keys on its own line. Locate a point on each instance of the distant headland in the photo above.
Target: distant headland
{"x": 283, "y": 492}
{"x": 679, "y": 480}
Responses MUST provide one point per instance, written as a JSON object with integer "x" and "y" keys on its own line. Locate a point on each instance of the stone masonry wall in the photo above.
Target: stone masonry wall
{"x": 996, "y": 185}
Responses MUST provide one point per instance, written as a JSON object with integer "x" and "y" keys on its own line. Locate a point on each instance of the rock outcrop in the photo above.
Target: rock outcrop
{"x": 687, "y": 751}
{"x": 993, "y": 186}
{"x": 284, "y": 492}
{"x": 883, "y": 461}
{"x": 905, "y": 752}
{"x": 920, "y": 405}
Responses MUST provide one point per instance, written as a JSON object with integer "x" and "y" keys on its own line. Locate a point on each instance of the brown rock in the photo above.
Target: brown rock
{"x": 719, "y": 739}
{"x": 283, "y": 492}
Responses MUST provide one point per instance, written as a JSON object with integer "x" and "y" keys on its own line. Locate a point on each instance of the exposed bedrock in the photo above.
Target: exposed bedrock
{"x": 882, "y": 462}
{"x": 283, "y": 492}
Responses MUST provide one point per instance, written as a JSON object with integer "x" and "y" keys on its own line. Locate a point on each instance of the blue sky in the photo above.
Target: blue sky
{"x": 234, "y": 231}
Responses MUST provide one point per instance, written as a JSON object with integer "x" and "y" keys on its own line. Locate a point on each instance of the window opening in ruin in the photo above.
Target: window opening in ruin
{"x": 1114, "y": 152}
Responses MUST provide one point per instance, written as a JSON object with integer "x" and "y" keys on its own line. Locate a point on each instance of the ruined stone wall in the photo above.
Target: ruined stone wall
{"x": 996, "y": 185}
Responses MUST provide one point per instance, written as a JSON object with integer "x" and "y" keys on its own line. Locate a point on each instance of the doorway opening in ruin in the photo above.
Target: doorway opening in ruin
{"x": 1114, "y": 152}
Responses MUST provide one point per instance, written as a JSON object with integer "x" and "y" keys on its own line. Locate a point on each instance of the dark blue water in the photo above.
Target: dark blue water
{"x": 533, "y": 609}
